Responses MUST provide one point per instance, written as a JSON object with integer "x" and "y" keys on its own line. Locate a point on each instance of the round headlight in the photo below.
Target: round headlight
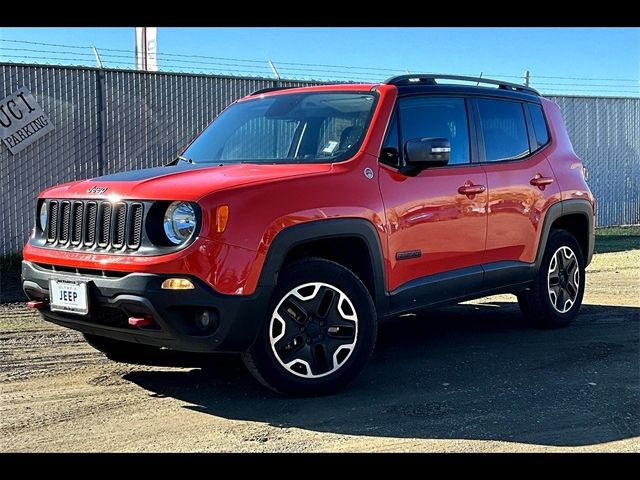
{"x": 44, "y": 213}
{"x": 179, "y": 222}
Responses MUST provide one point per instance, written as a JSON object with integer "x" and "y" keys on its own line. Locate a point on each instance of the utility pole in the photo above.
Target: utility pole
{"x": 146, "y": 49}
{"x": 526, "y": 78}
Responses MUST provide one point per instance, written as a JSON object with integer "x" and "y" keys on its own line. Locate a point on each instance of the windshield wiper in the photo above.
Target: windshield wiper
{"x": 179, "y": 159}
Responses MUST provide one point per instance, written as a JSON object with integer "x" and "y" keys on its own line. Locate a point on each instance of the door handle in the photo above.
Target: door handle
{"x": 469, "y": 189}
{"x": 540, "y": 181}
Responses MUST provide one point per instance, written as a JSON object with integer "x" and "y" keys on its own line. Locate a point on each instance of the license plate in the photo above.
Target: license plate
{"x": 68, "y": 296}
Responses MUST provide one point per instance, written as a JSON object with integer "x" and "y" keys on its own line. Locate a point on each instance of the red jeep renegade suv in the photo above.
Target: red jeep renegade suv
{"x": 301, "y": 217}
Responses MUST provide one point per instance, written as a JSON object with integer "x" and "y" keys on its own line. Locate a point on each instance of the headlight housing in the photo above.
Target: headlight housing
{"x": 44, "y": 215}
{"x": 179, "y": 222}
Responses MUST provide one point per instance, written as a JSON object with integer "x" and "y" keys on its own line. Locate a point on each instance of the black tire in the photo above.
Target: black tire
{"x": 327, "y": 342}
{"x": 537, "y": 303}
{"x": 120, "y": 351}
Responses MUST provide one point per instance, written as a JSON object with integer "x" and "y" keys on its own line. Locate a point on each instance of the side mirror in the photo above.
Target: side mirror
{"x": 421, "y": 153}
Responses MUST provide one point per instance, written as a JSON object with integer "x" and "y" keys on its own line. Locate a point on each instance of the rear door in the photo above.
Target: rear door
{"x": 520, "y": 180}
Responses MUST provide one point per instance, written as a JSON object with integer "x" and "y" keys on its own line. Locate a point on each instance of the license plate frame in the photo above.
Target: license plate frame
{"x": 78, "y": 304}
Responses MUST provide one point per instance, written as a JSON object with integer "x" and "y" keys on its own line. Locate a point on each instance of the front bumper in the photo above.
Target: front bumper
{"x": 113, "y": 299}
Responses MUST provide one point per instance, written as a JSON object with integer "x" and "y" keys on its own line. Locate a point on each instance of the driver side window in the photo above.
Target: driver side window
{"x": 424, "y": 117}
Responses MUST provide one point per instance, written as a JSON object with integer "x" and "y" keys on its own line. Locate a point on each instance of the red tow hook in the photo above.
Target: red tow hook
{"x": 37, "y": 304}
{"x": 140, "y": 321}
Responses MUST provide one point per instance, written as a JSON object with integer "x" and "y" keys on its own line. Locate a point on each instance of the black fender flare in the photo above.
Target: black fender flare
{"x": 561, "y": 209}
{"x": 295, "y": 235}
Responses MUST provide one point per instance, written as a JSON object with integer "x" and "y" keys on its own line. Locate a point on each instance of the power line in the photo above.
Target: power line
{"x": 590, "y": 78}
{"x": 338, "y": 68}
{"x": 569, "y": 90}
{"x": 32, "y": 57}
{"x": 111, "y": 55}
{"x": 203, "y": 56}
{"x": 330, "y": 72}
{"x": 331, "y": 75}
{"x": 580, "y": 84}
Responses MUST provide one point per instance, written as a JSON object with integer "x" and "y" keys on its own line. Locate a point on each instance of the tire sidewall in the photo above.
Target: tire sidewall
{"x": 557, "y": 239}
{"x": 299, "y": 273}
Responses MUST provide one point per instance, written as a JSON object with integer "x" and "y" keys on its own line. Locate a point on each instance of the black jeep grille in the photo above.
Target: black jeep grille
{"x": 93, "y": 224}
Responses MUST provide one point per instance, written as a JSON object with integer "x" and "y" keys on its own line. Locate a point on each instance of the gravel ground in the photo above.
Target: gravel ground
{"x": 469, "y": 378}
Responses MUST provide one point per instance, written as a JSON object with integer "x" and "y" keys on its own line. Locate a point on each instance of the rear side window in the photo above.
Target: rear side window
{"x": 539, "y": 125}
{"x": 504, "y": 130}
{"x": 437, "y": 117}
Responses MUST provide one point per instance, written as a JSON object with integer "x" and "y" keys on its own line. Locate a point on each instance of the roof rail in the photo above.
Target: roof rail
{"x": 430, "y": 79}
{"x": 268, "y": 89}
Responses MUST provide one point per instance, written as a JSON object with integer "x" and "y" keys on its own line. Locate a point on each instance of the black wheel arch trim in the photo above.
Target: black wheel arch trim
{"x": 515, "y": 274}
{"x": 296, "y": 235}
{"x": 562, "y": 209}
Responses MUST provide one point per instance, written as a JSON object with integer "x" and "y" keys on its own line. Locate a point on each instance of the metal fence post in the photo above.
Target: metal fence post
{"x": 102, "y": 121}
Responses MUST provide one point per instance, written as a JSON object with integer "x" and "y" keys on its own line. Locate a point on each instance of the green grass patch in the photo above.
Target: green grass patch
{"x": 617, "y": 239}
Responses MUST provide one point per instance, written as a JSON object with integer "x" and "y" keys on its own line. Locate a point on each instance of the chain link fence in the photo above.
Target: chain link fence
{"x": 110, "y": 120}
{"x": 605, "y": 133}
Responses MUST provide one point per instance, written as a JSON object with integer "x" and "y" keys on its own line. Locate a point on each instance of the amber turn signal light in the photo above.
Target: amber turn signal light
{"x": 222, "y": 217}
{"x": 177, "y": 284}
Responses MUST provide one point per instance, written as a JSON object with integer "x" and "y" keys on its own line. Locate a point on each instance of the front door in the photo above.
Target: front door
{"x": 436, "y": 220}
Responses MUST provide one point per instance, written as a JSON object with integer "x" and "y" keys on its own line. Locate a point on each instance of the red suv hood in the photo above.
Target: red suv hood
{"x": 180, "y": 182}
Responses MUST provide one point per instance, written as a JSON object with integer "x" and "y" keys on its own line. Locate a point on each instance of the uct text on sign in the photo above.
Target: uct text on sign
{"x": 22, "y": 120}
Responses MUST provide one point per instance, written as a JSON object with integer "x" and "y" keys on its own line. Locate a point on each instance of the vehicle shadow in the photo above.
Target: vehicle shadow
{"x": 465, "y": 372}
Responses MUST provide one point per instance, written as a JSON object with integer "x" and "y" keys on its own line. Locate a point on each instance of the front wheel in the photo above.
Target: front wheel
{"x": 556, "y": 294}
{"x": 319, "y": 332}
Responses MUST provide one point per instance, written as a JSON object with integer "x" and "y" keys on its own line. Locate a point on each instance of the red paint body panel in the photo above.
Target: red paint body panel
{"x": 516, "y": 208}
{"x": 223, "y": 266}
{"x": 427, "y": 213}
{"x": 567, "y": 166}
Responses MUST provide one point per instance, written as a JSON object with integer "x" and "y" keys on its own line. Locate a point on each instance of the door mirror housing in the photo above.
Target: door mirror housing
{"x": 427, "y": 152}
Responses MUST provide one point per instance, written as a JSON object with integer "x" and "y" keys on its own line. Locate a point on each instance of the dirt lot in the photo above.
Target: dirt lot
{"x": 469, "y": 378}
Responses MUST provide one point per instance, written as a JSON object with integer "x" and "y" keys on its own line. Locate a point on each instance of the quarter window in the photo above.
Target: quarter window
{"x": 422, "y": 117}
{"x": 539, "y": 125}
{"x": 504, "y": 130}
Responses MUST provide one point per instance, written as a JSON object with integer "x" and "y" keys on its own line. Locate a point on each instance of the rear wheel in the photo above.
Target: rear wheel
{"x": 120, "y": 351}
{"x": 556, "y": 294}
{"x": 319, "y": 332}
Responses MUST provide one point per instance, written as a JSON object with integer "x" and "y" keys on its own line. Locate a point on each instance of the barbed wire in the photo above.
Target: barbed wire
{"x": 191, "y": 63}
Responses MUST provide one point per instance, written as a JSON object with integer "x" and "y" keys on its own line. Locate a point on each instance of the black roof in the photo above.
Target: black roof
{"x": 421, "y": 83}
{"x": 412, "y": 84}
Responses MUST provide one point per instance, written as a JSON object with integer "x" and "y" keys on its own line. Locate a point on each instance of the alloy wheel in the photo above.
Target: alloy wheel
{"x": 313, "y": 330}
{"x": 563, "y": 279}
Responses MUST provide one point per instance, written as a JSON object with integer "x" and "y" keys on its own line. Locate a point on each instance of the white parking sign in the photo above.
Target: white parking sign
{"x": 22, "y": 120}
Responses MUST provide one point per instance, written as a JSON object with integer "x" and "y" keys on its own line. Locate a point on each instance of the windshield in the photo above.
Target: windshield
{"x": 289, "y": 128}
